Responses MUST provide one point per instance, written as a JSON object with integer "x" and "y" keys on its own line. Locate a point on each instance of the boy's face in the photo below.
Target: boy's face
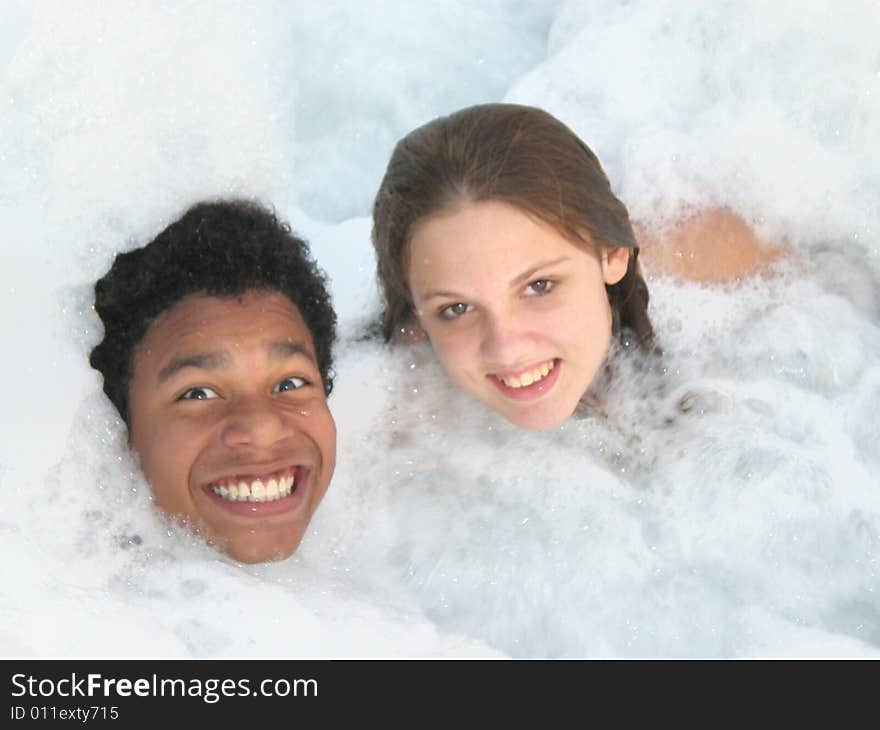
{"x": 230, "y": 421}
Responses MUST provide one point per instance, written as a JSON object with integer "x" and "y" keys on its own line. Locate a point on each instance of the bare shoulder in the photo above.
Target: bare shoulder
{"x": 710, "y": 245}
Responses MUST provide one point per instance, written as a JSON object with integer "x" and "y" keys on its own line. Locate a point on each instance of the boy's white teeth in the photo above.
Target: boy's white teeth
{"x": 529, "y": 376}
{"x": 257, "y": 490}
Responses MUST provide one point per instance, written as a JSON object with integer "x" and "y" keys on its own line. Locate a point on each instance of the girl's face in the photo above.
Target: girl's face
{"x": 517, "y": 314}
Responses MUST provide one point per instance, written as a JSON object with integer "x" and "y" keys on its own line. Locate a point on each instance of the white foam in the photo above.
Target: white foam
{"x": 727, "y": 506}
{"x": 742, "y": 104}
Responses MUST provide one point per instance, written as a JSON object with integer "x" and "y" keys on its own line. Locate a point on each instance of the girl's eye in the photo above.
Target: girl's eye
{"x": 540, "y": 287}
{"x": 454, "y": 311}
{"x": 199, "y": 394}
{"x": 289, "y": 384}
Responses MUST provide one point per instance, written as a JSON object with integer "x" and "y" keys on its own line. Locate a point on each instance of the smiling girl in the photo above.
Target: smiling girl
{"x": 498, "y": 236}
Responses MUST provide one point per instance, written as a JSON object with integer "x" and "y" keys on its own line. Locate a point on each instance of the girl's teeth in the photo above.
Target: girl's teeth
{"x": 529, "y": 377}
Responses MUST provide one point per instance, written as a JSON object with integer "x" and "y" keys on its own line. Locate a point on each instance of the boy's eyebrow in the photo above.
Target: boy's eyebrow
{"x": 278, "y": 350}
{"x": 283, "y": 349}
{"x": 201, "y": 360}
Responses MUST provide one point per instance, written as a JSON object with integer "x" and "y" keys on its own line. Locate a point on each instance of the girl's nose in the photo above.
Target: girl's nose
{"x": 503, "y": 339}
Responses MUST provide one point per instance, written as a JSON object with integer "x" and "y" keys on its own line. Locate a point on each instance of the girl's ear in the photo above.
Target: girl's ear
{"x": 614, "y": 263}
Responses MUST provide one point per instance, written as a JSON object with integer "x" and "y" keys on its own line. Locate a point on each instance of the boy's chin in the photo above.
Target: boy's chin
{"x": 257, "y": 550}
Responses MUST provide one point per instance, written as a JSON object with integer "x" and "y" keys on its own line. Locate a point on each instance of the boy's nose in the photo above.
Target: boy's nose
{"x": 254, "y": 422}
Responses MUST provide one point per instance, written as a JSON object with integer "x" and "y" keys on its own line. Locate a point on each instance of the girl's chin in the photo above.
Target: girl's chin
{"x": 538, "y": 424}
{"x": 536, "y": 417}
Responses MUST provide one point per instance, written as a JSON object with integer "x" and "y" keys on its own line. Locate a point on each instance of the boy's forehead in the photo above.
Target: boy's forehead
{"x": 199, "y": 320}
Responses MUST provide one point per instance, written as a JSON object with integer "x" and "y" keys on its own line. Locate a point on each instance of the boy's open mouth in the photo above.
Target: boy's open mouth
{"x": 266, "y": 488}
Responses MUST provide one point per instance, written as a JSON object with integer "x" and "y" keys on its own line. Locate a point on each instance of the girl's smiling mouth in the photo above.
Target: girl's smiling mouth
{"x": 530, "y": 383}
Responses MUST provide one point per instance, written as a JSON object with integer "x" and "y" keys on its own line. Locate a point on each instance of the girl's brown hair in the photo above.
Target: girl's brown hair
{"x": 514, "y": 154}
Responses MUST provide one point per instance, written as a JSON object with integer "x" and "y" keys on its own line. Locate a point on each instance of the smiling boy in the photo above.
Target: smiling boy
{"x": 217, "y": 353}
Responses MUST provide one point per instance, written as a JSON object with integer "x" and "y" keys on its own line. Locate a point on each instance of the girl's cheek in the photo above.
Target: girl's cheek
{"x": 453, "y": 352}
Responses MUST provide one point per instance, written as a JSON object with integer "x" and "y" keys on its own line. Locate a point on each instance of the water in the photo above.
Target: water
{"x": 721, "y": 502}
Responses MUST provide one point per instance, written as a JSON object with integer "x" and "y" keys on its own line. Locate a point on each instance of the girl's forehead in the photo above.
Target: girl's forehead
{"x": 486, "y": 235}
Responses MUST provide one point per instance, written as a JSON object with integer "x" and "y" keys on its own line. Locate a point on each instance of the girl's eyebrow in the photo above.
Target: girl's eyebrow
{"x": 528, "y": 274}
{"x": 438, "y": 293}
{"x": 519, "y": 279}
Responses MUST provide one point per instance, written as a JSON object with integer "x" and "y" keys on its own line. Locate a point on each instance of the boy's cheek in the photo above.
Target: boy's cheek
{"x": 170, "y": 489}
{"x": 163, "y": 459}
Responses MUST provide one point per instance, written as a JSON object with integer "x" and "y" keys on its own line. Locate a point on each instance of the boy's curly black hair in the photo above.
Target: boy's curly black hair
{"x": 219, "y": 248}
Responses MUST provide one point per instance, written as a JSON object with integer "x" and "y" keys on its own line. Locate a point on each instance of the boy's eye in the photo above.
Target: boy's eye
{"x": 289, "y": 384}
{"x": 539, "y": 287}
{"x": 199, "y": 394}
{"x": 453, "y": 311}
